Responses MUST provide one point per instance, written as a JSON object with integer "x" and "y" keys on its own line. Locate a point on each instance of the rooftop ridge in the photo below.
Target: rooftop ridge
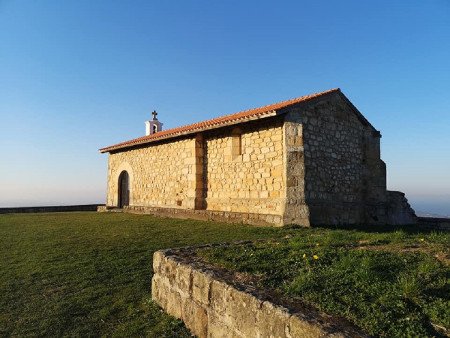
{"x": 216, "y": 122}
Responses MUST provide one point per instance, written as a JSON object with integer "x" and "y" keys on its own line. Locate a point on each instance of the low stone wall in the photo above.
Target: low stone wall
{"x": 205, "y": 215}
{"x": 213, "y": 306}
{"x": 434, "y": 223}
{"x": 60, "y": 208}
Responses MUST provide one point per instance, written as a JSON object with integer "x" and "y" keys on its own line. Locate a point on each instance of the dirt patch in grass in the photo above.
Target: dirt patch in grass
{"x": 439, "y": 255}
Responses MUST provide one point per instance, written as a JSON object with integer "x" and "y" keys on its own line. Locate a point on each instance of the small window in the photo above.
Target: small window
{"x": 236, "y": 143}
{"x": 155, "y": 128}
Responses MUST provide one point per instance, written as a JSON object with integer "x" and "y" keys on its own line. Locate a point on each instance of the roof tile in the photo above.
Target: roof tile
{"x": 214, "y": 123}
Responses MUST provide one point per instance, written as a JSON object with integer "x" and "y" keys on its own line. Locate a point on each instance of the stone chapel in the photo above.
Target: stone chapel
{"x": 311, "y": 160}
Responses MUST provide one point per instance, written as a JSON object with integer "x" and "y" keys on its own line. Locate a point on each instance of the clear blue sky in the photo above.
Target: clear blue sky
{"x": 79, "y": 75}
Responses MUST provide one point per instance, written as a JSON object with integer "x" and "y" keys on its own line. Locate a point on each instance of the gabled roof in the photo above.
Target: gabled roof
{"x": 243, "y": 116}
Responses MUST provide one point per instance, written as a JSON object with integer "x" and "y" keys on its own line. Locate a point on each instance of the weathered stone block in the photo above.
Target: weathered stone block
{"x": 169, "y": 268}
{"x": 195, "y": 317}
{"x": 183, "y": 279}
{"x": 242, "y": 310}
{"x": 298, "y": 327}
{"x": 201, "y": 283}
{"x": 174, "y": 303}
{"x": 272, "y": 321}
{"x": 158, "y": 256}
{"x": 219, "y": 296}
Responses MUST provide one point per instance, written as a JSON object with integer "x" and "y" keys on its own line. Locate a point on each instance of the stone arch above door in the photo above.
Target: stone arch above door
{"x": 124, "y": 166}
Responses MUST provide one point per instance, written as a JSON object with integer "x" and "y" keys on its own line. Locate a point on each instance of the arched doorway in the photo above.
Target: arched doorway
{"x": 124, "y": 189}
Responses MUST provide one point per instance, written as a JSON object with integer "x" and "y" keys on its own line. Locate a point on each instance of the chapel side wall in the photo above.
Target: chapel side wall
{"x": 161, "y": 175}
{"x": 345, "y": 178}
{"x": 252, "y": 182}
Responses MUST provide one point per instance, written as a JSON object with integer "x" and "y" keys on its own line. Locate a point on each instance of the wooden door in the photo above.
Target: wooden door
{"x": 124, "y": 189}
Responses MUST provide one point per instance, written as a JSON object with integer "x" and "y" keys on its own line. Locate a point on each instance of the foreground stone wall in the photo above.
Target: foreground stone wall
{"x": 210, "y": 306}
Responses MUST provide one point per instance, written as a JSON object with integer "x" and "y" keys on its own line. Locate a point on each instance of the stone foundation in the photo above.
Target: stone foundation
{"x": 212, "y": 306}
{"x": 204, "y": 215}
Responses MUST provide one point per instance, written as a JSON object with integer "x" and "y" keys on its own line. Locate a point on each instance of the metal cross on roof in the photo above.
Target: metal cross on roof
{"x": 154, "y": 113}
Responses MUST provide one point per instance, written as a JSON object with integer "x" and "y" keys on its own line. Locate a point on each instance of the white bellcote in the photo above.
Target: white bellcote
{"x": 153, "y": 126}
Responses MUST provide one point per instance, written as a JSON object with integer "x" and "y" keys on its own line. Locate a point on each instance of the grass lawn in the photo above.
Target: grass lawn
{"x": 89, "y": 273}
{"x": 391, "y": 283}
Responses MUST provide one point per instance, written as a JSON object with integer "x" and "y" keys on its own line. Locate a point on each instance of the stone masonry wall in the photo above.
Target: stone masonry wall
{"x": 160, "y": 175}
{"x": 399, "y": 211}
{"x": 250, "y": 180}
{"x": 238, "y": 170}
{"x": 314, "y": 163}
{"x": 296, "y": 209}
{"x": 211, "y": 306}
{"x": 344, "y": 176}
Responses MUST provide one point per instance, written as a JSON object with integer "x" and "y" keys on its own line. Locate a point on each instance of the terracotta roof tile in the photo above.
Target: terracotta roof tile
{"x": 242, "y": 116}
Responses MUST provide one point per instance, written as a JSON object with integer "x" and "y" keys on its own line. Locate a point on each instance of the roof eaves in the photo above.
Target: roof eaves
{"x": 222, "y": 121}
{"x": 145, "y": 140}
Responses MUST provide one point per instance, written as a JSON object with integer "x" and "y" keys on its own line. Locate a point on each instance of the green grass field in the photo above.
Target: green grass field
{"x": 391, "y": 283}
{"x": 89, "y": 273}
{"x": 80, "y": 274}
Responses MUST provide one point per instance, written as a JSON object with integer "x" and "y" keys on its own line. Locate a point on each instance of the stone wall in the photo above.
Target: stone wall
{"x": 314, "y": 163}
{"x": 237, "y": 170}
{"x": 57, "y": 208}
{"x": 296, "y": 209}
{"x": 212, "y": 306}
{"x": 399, "y": 211}
{"x": 344, "y": 177}
{"x": 249, "y": 179}
{"x": 434, "y": 223}
{"x": 160, "y": 175}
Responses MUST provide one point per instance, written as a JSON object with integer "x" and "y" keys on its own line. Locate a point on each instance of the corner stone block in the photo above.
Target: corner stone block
{"x": 169, "y": 268}
{"x": 158, "y": 257}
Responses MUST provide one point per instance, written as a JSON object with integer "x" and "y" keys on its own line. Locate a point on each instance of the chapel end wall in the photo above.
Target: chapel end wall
{"x": 344, "y": 177}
